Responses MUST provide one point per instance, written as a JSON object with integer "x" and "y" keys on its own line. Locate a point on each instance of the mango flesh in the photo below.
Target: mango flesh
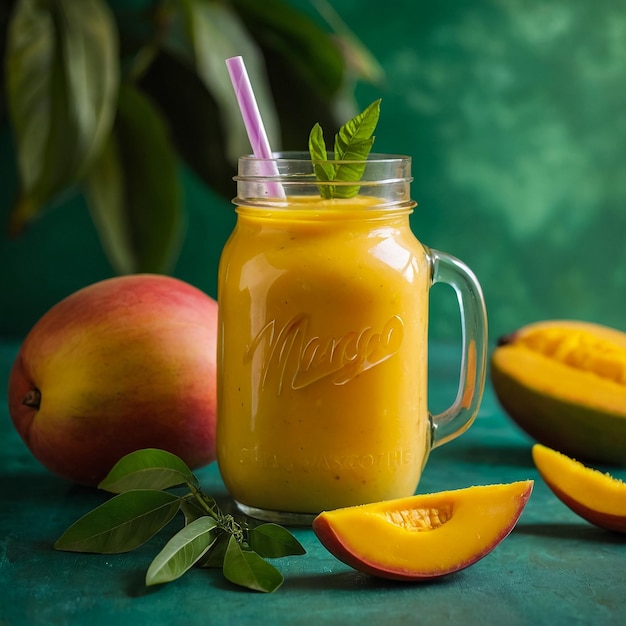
{"x": 596, "y": 497}
{"x": 564, "y": 383}
{"x": 425, "y": 536}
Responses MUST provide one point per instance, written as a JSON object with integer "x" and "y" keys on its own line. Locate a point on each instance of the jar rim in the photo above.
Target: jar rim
{"x": 292, "y": 174}
{"x": 301, "y": 155}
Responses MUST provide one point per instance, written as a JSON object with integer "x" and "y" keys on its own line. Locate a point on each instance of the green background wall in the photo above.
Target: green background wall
{"x": 514, "y": 112}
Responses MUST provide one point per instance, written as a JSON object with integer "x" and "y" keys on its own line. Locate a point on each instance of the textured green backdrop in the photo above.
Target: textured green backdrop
{"x": 514, "y": 114}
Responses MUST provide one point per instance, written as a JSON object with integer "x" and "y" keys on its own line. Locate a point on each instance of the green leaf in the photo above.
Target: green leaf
{"x": 194, "y": 120}
{"x": 121, "y": 524}
{"x": 144, "y": 221}
{"x": 149, "y": 468}
{"x": 246, "y": 568}
{"x": 191, "y": 509}
{"x": 182, "y": 551}
{"x": 317, "y": 148}
{"x": 215, "y": 557}
{"x": 273, "y": 541}
{"x": 358, "y": 58}
{"x": 104, "y": 192}
{"x": 215, "y": 32}
{"x": 305, "y": 67}
{"x": 62, "y": 81}
{"x": 286, "y": 32}
{"x": 353, "y": 143}
{"x": 324, "y": 171}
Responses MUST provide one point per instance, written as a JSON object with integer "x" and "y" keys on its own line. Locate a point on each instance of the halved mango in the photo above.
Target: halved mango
{"x": 425, "y": 536}
{"x": 564, "y": 383}
{"x": 599, "y": 498}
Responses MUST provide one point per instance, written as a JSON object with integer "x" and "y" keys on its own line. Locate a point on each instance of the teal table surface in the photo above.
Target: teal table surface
{"x": 554, "y": 568}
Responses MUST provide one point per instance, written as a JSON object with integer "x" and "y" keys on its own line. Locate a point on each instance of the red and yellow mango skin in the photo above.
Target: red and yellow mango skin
{"x": 596, "y": 497}
{"x": 425, "y": 536}
{"x": 123, "y": 364}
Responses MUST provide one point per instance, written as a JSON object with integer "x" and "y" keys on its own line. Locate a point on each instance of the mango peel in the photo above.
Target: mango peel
{"x": 564, "y": 383}
{"x": 426, "y": 536}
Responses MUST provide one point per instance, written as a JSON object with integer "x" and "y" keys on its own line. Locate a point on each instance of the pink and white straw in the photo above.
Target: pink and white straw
{"x": 253, "y": 121}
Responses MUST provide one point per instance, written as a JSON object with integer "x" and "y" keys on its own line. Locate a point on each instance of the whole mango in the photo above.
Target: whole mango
{"x": 564, "y": 383}
{"x": 122, "y": 364}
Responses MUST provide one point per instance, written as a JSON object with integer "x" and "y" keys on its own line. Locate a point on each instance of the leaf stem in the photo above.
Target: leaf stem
{"x": 226, "y": 521}
{"x": 203, "y": 502}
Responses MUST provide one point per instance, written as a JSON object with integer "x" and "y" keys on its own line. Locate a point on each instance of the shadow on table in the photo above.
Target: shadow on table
{"x": 29, "y": 484}
{"x": 571, "y": 532}
{"x": 353, "y": 581}
{"x": 507, "y": 455}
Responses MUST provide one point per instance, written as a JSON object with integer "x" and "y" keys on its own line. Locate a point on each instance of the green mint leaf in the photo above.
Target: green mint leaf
{"x": 354, "y": 139}
{"x": 324, "y": 171}
{"x": 147, "y": 469}
{"x": 317, "y": 149}
{"x": 273, "y": 541}
{"x": 121, "y": 524}
{"x": 182, "y": 551}
{"x": 246, "y": 568}
{"x": 353, "y": 142}
{"x": 351, "y": 171}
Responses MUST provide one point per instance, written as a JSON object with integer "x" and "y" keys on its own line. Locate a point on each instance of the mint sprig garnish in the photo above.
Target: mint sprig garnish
{"x": 209, "y": 537}
{"x": 353, "y": 142}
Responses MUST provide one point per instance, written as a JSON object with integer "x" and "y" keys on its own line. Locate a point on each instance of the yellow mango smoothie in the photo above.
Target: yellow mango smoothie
{"x": 322, "y": 397}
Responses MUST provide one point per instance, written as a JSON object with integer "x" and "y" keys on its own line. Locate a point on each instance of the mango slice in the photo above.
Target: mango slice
{"x": 564, "y": 383}
{"x": 425, "y": 536}
{"x": 596, "y": 497}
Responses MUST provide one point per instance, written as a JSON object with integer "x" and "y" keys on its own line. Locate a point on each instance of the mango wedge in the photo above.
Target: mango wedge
{"x": 596, "y": 497}
{"x": 425, "y": 536}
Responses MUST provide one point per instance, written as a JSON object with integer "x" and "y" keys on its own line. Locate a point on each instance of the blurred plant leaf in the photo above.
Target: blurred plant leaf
{"x": 6, "y": 9}
{"x": 305, "y": 68}
{"x": 359, "y": 60}
{"x": 62, "y": 79}
{"x": 134, "y": 191}
{"x": 193, "y": 118}
{"x": 64, "y": 59}
{"x": 307, "y": 47}
{"x": 104, "y": 192}
{"x": 211, "y": 33}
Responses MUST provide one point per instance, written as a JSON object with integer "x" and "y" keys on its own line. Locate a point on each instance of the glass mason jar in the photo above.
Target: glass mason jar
{"x": 323, "y": 336}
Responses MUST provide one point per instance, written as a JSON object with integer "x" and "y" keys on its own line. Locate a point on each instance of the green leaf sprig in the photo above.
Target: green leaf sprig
{"x": 353, "y": 142}
{"x": 142, "y": 506}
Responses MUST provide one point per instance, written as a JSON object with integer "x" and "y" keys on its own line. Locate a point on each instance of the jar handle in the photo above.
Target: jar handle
{"x": 458, "y": 418}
